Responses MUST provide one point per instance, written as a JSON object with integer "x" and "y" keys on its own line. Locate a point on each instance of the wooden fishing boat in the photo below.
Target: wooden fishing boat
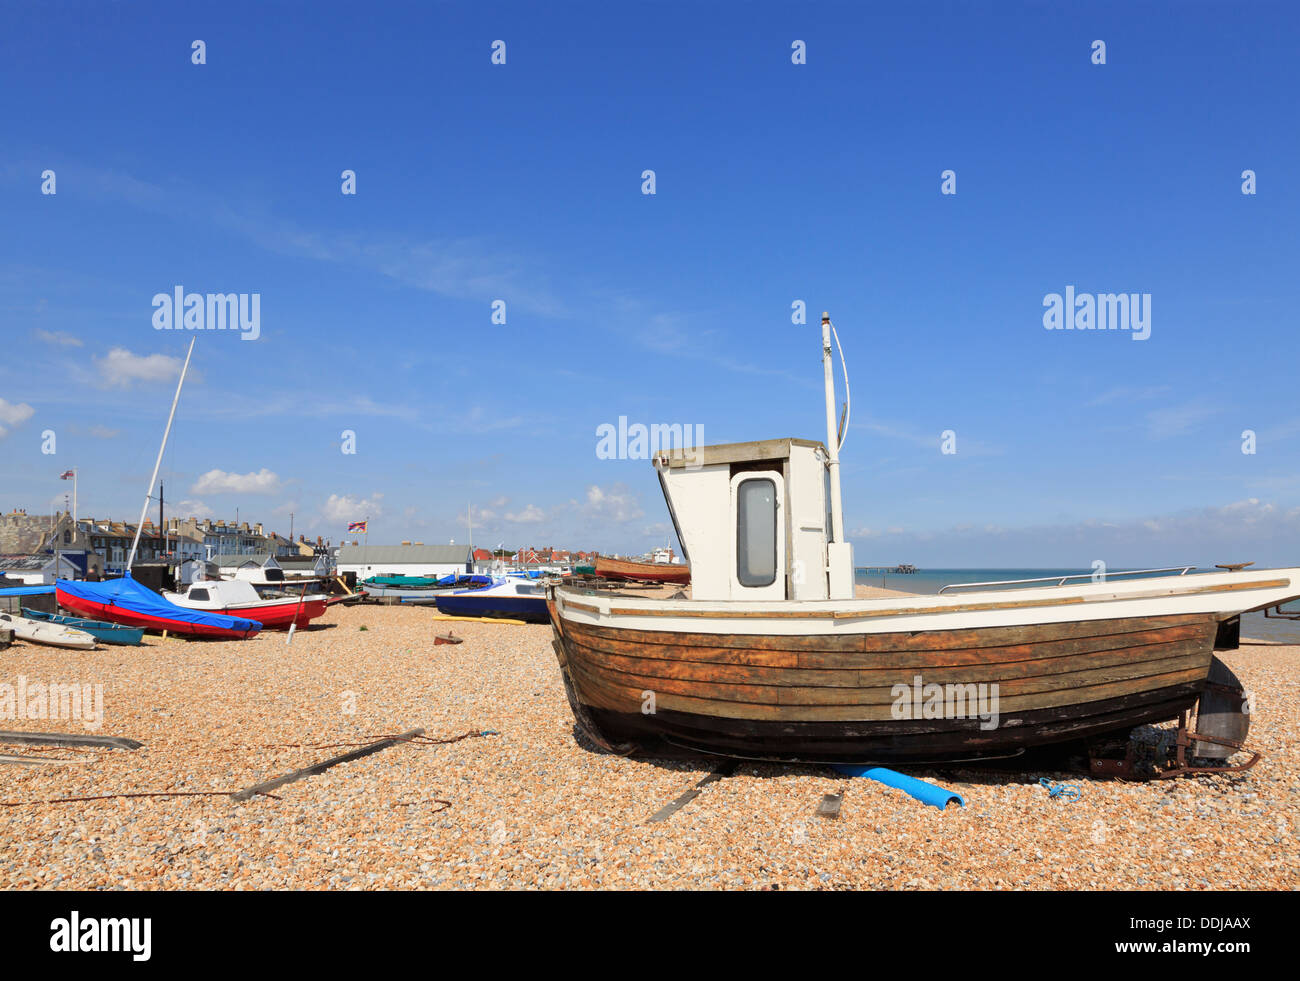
{"x": 642, "y": 571}
{"x": 101, "y": 630}
{"x": 50, "y": 634}
{"x": 773, "y": 658}
{"x": 822, "y": 680}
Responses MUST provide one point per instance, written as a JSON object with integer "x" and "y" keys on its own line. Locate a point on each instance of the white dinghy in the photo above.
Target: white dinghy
{"x": 53, "y": 634}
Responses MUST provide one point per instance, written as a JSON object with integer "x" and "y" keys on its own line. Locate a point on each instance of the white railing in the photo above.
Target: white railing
{"x": 1062, "y": 580}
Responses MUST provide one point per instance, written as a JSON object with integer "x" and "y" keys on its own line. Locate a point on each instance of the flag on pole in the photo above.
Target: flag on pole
{"x": 66, "y": 475}
{"x": 358, "y": 526}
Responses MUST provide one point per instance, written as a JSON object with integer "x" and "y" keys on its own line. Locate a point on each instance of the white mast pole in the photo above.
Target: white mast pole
{"x": 832, "y": 435}
{"x": 158, "y": 463}
{"x": 839, "y": 553}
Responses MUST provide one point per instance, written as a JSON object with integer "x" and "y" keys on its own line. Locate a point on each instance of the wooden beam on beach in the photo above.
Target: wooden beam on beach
{"x": 667, "y": 811}
{"x": 68, "y": 739}
{"x": 321, "y": 767}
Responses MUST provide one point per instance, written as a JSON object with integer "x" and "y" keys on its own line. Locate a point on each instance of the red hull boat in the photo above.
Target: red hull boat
{"x": 238, "y": 598}
{"x": 280, "y": 615}
{"x": 127, "y": 602}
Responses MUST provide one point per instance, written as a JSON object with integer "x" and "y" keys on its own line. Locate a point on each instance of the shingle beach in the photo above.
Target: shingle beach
{"x": 521, "y": 804}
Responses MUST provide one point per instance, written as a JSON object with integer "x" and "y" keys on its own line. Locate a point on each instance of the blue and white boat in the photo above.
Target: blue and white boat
{"x": 424, "y": 594}
{"x": 508, "y": 598}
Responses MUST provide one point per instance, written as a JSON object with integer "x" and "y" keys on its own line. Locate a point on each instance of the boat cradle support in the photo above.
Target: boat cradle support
{"x": 1186, "y": 738}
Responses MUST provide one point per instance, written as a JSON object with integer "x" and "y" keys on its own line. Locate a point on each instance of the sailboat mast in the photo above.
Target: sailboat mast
{"x": 144, "y": 509}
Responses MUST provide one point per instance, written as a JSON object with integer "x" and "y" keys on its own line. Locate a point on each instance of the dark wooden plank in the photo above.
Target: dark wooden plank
{"x": 324, "y": 765}
{"x": 890, "y": 641}
{"x": 68, "y": 739}
{"x": 768, "y": 686}
{"x": 839, "y": 669}
{"x": 604, "y": 691}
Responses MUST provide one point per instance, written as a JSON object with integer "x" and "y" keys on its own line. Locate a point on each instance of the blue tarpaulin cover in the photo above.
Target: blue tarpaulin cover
{"x": 26, "y": 590}
{"x": 131, "y": 595}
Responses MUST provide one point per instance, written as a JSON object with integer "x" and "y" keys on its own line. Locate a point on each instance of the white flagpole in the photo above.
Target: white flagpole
{"x": 158, "y": 463}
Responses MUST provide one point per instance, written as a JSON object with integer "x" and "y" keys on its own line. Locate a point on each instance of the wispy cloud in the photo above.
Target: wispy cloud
{"x": 57, "y": 338}
{"x": 263, "y": 481}
{"x": 193, "y": 509}
{"x": 121, "y": 368}
{"x": 1130, "y": 393}
{"x": 1177, "y": 420}
{"x": 965, "y": 446}
{"x": 530, "y": 515}
{"x": 462, "y": 268}
{"x": 12, "y": 414}
{"x": 615, "y": 503}
{"x": 340, "y": 508}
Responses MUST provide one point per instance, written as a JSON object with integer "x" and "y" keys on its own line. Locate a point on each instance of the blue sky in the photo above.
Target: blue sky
{"x": 775, "y": 182}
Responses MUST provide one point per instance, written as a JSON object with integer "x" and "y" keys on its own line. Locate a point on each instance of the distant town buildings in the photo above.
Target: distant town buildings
{"x": 99, "y": 547}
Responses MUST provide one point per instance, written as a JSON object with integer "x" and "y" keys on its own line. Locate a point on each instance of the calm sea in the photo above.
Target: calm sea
{"x": 1253, "y": 625}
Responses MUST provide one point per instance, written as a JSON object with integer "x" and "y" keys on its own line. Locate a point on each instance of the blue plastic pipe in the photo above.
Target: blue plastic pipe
{"x": 926, "y": 793}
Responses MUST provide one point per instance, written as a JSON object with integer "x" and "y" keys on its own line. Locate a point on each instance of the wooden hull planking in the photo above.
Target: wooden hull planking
{"x": 833, "y": 698}
{"x": 648, "y": 571}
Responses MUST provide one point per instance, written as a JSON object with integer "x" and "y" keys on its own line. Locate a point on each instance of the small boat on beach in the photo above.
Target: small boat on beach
{"x": 425, "y": 592}
{"x": 101, "y": 630}
{"x": 627, "y": 570}
{"x": 128, "y": 602}
{"x": 773, "y": 657}
{"x": 238, "y": 598}
{"x": 51, "y": 634}
{"x": 405, "y": 582}
{"x": 505, "y": 598}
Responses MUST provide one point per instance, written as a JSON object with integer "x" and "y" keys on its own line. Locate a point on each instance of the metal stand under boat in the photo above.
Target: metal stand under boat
{"x": 1221, "y": 725}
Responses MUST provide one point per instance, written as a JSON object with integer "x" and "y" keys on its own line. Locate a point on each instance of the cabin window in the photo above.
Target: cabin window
{"x": 756, "y": 532}
{"x": 198, "y": 594}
